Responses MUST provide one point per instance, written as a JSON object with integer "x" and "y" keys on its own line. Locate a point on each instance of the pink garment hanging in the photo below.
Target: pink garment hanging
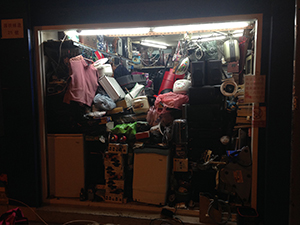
{"x": 83, "y": 82}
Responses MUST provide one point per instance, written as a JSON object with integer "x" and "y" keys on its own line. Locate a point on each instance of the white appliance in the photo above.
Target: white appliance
{"x": 181, "y": 86}
{"x": 102, "y": 68}
{"x": 140, "y": 104}
{"x": 65, "y": 164}
{"x": 151, "y": 169}
{"x": 112, "y": 88}
{"x": 231, "y": 50}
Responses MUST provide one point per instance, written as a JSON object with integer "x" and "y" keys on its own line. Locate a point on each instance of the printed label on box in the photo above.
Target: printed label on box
{"x": 116, "y": 198}
{"x": 180, "y": 165}
{"x": 114, "y": 186}
{"x": 118, "y": 148}
{"x": 114, "y": 173}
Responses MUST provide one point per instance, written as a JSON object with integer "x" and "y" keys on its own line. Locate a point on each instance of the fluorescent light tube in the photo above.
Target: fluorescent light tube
{"x": 155, "y": 42}
{"x": 121, "y": 31}
{"x": 211, "y": 37}
{"x": 150, "y": 44}
{"x": 140, "y": 31}
{"x": 199, "y": 27}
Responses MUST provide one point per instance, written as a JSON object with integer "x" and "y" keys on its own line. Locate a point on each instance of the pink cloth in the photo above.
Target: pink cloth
{"x": 84, "y": 82}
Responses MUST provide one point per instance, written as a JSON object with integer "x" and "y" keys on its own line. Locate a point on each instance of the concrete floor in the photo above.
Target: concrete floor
{"x": 66, "y": 212}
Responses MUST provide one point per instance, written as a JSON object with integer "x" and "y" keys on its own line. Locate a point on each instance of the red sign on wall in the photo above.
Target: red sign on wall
{"x": 12, "y": 28}
{"x": 255, "y": 88}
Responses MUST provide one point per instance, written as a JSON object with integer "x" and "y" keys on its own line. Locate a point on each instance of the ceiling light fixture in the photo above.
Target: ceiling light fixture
{"x": 148, "y": 31}
{"x": 210, "y": 37}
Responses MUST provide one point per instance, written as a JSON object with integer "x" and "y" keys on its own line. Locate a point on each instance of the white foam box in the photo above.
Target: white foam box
{"x": 150, "y": 177}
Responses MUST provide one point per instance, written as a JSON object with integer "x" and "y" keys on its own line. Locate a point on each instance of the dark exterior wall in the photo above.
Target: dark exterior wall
{"x": 18, "y": 132}
{"x": 276, "y": 63}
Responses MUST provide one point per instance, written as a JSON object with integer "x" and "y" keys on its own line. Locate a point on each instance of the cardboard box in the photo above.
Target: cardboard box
{"x": 122, "y": 103}
{"x": 114, "y": 173}
{"x": 114, "y": 187}
{"x": 180, "y": 165}
{"x": 115, "y": 198}
{"x": 113, "y": 159}
{"x": 203, "y": 208}
{"x": 117, "y": 148}
{"x": 114, "y": 166}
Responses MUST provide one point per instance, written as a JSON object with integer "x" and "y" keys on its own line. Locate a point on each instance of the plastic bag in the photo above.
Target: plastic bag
{"x": 128, "y": 129}
{"x": 152, "y": 117}
{"x": 95, "y": 115}
{"x": 103, "y": 102}
{"x": 170, "y": 100}
{"x": 13, "y": 216}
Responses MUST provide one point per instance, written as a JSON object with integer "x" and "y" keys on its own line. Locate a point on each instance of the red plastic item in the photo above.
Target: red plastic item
{"x": 168, "y": 81}
{"x": 123, "y": 139}
{"x": 99, "y": 55}
{"x": 114, "y": 138}
{"x": 170, "y": 100}
{"x": 142, "y": 135}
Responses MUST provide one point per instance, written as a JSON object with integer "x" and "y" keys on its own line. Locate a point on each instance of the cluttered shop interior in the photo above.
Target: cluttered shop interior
{"x": 152, "y": 115}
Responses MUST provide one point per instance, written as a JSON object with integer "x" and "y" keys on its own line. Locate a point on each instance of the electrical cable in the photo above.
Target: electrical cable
{"x": 199, "y": 49}
{"x": 15, "y": 200}
{"x": 166, "y": 221}
{"x": 82, "y": 221}
{"x": 70, "y": 222}
{"x": 224, "y": 85}
{"x": 150, "y": 60}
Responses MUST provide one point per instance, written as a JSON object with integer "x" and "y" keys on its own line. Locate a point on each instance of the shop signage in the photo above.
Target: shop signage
{"x": 255, "y": 88}
{"x": 12, "y": 28}
{"x": 259, "y": 116}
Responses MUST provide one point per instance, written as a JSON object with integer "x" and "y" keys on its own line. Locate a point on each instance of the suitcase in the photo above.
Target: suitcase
{"x": 112, "y": 88}
{"x": 128, "y": 81}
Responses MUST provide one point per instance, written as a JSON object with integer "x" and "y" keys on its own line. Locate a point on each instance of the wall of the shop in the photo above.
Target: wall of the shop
{"x": 276, "y": 63}
{"x": 18, "y": 133}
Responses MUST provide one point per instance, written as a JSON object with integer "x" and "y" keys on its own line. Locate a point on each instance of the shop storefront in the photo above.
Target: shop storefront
{"x": 59, "y": 40}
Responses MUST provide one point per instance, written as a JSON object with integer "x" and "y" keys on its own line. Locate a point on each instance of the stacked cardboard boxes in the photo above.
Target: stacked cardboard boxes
{"x": 114, "y": 172}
